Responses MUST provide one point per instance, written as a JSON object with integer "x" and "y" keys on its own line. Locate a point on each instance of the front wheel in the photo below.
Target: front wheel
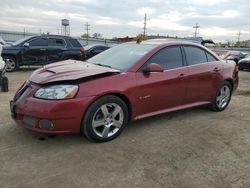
{"x": 223, "y": 97}
{"x": 105, "y": 119}
{"x": 11, "y": 64}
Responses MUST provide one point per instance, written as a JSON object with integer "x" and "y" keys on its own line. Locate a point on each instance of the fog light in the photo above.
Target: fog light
{"x": 46, "y": 124}
{"x": 30, "y": 121}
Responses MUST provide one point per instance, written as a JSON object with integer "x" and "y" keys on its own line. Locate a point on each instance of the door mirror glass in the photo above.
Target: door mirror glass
{"x": 26, "y": 44}
{"x": 153, "y": 67}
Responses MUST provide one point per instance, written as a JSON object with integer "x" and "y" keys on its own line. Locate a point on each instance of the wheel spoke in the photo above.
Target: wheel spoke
{"x": 219, "y": 98}
{"x": 116, "y": 111}
{"x": 117, "y": 124}
{"x": 227, "y": 92}
{"x": 105, "y": 131}
{"x": 104, "y": 110}
{"x": 98, "y": 123}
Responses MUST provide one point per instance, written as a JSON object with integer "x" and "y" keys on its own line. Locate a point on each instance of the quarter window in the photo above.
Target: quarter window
{"x": 195, "y": 55}
{"x": 168, "y": 58}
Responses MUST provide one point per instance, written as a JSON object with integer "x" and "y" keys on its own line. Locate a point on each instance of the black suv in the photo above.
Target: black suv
{"x": 41, "y": 50}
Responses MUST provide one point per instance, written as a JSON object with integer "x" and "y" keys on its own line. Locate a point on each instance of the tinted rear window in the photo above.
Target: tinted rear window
{"x": 56, "y": 42}
{"x": 195, "y": 55}
{"x": 74, "y": 43}
{"x": 211, "y": 58}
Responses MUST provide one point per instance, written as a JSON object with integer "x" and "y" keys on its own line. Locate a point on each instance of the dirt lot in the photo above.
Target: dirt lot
{"x": 191, "y": 148}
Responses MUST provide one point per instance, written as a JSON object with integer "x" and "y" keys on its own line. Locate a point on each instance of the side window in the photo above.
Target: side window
{"x": 56, "y": 42}
{"x": 168, "y": 58}
{"x": 195, "y": 55}
{"x": 39, "y": 42}
{"x": 210, "y": 58}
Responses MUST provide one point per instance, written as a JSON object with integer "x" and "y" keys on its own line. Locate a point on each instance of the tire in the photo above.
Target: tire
{"x": 240, "y": 69}
{"x": 11, "y": 64}
{"x": 222, "y": 98}
{"x": 4, "y": 84}
{"x": 105, "y": 119}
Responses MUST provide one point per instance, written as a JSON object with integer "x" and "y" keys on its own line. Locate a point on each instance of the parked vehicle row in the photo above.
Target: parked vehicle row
{"x": 94, "y": 49}
{"x": 41, "y": 50}
{"x": 128, "y": 82}
{"x": 244, "y": 63}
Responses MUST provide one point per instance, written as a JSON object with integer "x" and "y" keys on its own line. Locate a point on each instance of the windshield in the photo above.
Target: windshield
{"x": 123, "y": 56}
{"x": 21, "y": 40}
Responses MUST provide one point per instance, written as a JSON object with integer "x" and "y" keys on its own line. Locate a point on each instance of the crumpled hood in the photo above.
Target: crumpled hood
{"x": 68, "y": 70}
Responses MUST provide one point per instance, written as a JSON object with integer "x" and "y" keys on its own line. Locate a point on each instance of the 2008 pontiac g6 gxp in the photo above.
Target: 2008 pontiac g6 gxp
{"x": 128, "y": 82}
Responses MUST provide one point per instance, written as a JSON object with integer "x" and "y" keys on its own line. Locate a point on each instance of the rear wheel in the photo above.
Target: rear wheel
{"x": 223, "y": 97}
{"x": 105, "y": 119}
{"x": 11, "y": 64}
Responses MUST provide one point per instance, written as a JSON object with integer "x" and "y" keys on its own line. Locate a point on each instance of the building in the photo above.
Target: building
{"x": 12, "y": 36}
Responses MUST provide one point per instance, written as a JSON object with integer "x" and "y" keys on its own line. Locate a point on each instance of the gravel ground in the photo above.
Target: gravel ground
{"x": 193, "y": 148}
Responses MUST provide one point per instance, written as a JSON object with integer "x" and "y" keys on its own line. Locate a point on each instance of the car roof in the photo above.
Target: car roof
{"x": 58, "y": 36}
{"x": 162, "y": 42}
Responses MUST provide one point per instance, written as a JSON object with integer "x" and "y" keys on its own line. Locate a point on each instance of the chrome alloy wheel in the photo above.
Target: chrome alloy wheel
{"x": 10, "y": 65}
{"x": 107, "y": 120}
{"x": 223, "y": 97}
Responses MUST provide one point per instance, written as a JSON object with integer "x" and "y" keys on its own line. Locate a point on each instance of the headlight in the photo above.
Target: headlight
{"x": 57, "y": 92}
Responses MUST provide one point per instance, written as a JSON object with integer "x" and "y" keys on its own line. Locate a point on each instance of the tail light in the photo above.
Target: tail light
{"x": 81, "y": 49}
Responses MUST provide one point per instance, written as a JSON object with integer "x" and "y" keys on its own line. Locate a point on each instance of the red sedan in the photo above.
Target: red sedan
{"x": 128, "y": 82}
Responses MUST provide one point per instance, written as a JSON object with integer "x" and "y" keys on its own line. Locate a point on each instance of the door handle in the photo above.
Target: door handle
{"x": 216, "y": 69}
{"x": 42, "y": 49}
{"x": 181, "y": 76}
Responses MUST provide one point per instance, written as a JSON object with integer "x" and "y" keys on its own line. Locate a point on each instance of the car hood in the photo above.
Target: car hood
{"x": 8, "y": 47}
{"x": 69, "y": 70}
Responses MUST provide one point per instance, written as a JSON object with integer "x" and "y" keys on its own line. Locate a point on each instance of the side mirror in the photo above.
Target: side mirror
{"x": 26, "y": 44}
{"x": 153, "y": 67}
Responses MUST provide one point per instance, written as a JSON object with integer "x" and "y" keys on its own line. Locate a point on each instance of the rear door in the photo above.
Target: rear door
{"x": 204, "y": 75}
{"x": 162, "y": 90}
{"x": 56, "y": 48}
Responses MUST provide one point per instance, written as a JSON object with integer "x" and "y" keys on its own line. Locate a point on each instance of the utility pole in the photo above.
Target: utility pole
{"x": 87, "y": 29}
{"x": 196, "y": 27}
{"x": 145, "y": 26}
{"x": 239, "y": 34}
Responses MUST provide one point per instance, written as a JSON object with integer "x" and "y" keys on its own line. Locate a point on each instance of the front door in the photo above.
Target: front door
{"x": 36, "y": 51}
{"x": 161, "y": 91}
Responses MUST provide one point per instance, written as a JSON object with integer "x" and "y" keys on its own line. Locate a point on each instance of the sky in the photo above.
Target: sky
{"x": 220, "y": 20}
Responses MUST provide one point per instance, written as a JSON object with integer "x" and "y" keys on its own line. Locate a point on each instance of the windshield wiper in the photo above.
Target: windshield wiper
{"x": 103, "y": 65}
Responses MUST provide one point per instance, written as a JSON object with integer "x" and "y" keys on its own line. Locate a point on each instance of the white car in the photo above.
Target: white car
{"x": 2, "y": 63}
{"x": 3, "y": 78}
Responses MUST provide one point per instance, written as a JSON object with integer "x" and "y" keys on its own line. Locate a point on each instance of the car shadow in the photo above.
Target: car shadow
{"x": 132, "y": 128}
